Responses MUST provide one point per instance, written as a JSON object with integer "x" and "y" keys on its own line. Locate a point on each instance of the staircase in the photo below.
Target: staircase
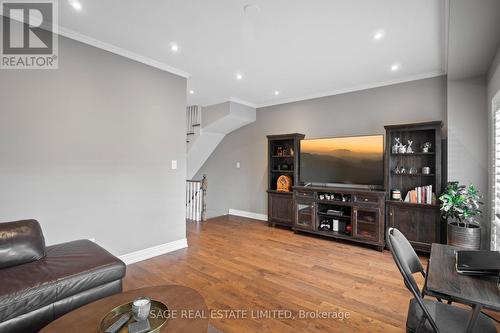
{"x": 208, "y": 126}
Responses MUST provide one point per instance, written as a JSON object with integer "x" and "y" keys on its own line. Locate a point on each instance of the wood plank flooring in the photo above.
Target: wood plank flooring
{"x": 242, "y": 264}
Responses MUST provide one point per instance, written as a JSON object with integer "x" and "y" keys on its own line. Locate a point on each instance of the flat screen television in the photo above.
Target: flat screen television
{"x": 356, "y": 161}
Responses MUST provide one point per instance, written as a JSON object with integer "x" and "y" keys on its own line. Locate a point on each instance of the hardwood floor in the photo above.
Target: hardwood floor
{"x": 242, "y": 264}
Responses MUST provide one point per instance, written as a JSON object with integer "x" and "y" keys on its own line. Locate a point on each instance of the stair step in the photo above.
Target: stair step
{"x": 195, "y": 125}
{"x": 190, "y": 133}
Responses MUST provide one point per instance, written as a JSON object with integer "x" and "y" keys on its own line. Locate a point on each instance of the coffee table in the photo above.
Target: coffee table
{"x": 179, "y": 298}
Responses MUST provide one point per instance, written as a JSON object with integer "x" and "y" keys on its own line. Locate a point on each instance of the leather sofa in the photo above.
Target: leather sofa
{"x": 38, "y": 284}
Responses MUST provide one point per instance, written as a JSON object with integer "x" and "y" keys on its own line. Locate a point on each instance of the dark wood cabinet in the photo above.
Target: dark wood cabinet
{"x": 420, "y": 225}
{"x": 342, "y": 213}
{"x": 305, "y": 213}
{"x": 280, "y": 208}
{"x": 419, "y": 222}
{"x": 368, "y": 223}
{"x": 283, "y": 160}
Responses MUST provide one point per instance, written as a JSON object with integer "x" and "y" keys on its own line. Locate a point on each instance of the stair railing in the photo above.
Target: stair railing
{"x": 193, "y": 120}
{"x": 196, "y": 191}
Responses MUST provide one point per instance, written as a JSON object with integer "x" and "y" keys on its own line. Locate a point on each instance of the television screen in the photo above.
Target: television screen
{"x": 355, "y": 160}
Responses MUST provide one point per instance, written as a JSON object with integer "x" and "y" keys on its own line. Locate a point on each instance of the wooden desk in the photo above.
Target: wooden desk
{"x": 88, "y": 317}
{"x": 444, "y": 282}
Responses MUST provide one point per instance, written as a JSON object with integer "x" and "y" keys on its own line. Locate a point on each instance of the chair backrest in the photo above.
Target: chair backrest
{"x": 404, "y": 256}
{"x": 408, "y": 253}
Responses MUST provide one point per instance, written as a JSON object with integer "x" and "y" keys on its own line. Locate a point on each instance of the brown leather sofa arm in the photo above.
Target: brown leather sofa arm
{"x": 20, "y": 242}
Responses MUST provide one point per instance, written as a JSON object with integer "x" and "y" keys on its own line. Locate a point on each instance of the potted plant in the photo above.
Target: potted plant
{"x": 460, "y": 206}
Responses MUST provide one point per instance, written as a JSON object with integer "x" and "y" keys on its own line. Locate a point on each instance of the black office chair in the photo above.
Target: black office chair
{"x": 425, "y": 315}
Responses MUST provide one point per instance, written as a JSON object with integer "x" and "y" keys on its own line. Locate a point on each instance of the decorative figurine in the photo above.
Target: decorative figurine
{"x": 409, "y": 150}
{"x": 426, "y": 170}
{"x": 325, "y": 225}
{"x": 284, "y": 183}
{"x": 396, "y": 195}
{"x": 402, "y": 149}
{"x": 412, "y": 171}
{"x": 397, "y": 145}
{"x": 396, "y": 170}
{"x": 402, "y": 170}
{"x": 426, "y": 147}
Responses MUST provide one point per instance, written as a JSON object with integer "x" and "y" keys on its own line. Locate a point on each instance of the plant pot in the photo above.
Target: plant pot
{"x": 465, "y": 237}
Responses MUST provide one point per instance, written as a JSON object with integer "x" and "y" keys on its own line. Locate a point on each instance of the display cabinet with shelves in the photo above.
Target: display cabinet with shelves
{"x": 419, "y": 221}
{"x": 283, "y": 160}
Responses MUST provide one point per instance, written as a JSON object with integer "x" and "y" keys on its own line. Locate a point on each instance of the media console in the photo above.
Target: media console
{"x": 351, "y": 214}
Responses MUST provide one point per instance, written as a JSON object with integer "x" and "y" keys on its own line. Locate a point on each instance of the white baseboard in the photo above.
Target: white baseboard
{"x": 242, "y": 213}
{"x": 154, "y": 251}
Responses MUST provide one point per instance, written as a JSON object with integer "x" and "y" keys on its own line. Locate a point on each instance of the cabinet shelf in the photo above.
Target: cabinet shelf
{"x": 283, "y": 156}
{"x": 335, "y": 202}
{"x": 282, "y": 171}
{"x": 336, "y": 234}
{"x": 367, "y": 222}
{"x": 345, "y": 217}
{"x": 413, "y": 174}
{"x": 411, "y": 204}
{"x": 414, "y": 154}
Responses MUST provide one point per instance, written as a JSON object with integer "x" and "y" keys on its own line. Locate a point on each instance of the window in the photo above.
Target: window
{"x": 495, "y": 223}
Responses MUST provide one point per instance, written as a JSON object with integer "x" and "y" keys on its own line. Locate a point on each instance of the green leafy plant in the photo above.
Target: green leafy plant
{"x": 461, "y": 203}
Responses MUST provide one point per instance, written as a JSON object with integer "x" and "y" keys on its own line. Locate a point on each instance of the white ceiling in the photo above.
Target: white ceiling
{"x": 302, "y": 48}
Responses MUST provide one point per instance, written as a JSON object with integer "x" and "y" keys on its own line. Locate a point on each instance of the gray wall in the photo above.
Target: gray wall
{"x": 468, "y": 137}
{"x": 362, "y": 112}
{"x": 86, "y": 149}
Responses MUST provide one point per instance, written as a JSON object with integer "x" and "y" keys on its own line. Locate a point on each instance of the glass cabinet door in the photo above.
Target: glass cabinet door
{"x": 304, "y": 215}
{"x": 366, "y": 221}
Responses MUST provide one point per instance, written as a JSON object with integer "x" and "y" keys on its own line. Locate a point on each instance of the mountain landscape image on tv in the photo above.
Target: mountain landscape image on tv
{"x": 347, "y": 160}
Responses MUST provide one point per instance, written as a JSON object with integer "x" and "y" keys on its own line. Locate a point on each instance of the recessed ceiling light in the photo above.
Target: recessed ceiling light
{"x": 395, "y": 67}
{"x": 191, "y": 92}
{"x": 239, "y": 76}
{"x": 276, "y": 92}
{"x": 75, "y": 4}
{"x": 174, "y": 47}
{"x": 379, "y": 34}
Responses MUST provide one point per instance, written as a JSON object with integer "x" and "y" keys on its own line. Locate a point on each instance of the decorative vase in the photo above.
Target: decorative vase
{"x": 467, "y": 236}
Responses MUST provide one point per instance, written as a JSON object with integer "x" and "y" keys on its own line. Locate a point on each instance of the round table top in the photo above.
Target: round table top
{"x": 189, "y": 311}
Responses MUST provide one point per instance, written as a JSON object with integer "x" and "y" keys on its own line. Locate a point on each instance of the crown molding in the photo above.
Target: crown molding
{"x": 353, "y": 89}
{"x": 121, "y": 52}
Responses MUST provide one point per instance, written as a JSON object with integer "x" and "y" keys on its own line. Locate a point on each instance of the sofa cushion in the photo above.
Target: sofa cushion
{"x": 66, "y": 270}
{"x": 20, "y": 242}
